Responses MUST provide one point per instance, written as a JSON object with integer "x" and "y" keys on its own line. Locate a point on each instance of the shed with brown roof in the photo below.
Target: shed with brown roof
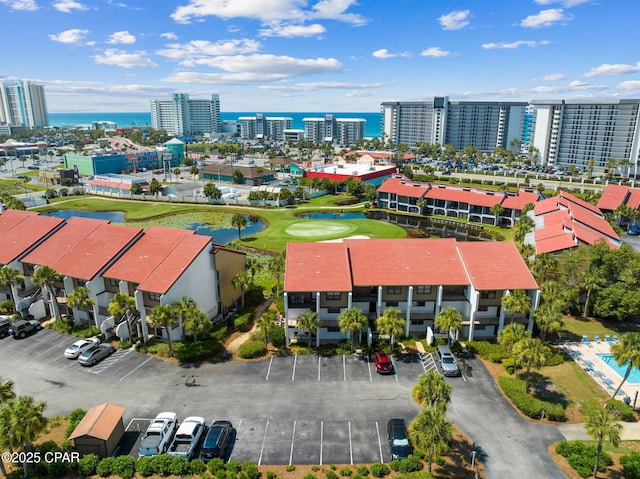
{"x": 99, "y": 431}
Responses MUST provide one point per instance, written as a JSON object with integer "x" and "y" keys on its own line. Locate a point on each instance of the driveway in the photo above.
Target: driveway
{"x": 299, "y": 409}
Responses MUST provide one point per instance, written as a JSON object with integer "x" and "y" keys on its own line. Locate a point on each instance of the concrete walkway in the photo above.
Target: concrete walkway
{"x": 572, "y": 432}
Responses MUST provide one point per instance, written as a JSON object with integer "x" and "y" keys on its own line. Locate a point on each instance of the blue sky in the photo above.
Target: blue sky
{"x": 319, "y": 55}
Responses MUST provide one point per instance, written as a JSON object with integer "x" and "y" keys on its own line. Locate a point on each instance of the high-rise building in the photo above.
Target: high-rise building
{"x": 183, "y": 116}
{"x": 329, "y": 129}
{"x": 23, "y": 103}
{"x": 572, "y": 133}
{"x": 261, "y": 127}
{"x": 484, "y": 125}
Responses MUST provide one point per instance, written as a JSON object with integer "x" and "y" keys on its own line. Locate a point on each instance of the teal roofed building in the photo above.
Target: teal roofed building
{"x": 91, "y": 165}
{"x": 176, "y": 147}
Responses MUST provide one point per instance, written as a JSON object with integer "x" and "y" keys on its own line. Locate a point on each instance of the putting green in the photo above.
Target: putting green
{"x": 320, "y": 228}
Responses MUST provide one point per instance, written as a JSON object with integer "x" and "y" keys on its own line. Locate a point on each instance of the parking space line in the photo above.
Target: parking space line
{"x": 369, "y": 367}
{"x": 344, "y": 367}
{"x": 350, "y": 445}
{"x": 47, "y": 350}
{"x": 293, "y": 374}
{"x": 319, "y": 366}
{"x": 34, "y": 346}
{"x": 379, "y": 443}
{"x": 109, "y": 361}
{"x": 264, "y": 440}
{"x": 293, "y": 438}
{"x": 269, "y": 369}
{"x": 136, "y": 368}
{"x": 321, "y": 438}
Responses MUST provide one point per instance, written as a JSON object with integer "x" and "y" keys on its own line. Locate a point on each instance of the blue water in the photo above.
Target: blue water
{"x": 220, "y": 235}
{"x": 332, "y": 216}
{"x": 68, "y": 120}
{"x": 634, "y": 376}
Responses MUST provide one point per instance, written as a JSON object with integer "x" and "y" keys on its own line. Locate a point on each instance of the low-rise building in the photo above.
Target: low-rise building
{"x": 614, "y": 196}
{"x": 373, "y": 174}
{"x": 111, "y": 184}
{"x": 248, "y": 174}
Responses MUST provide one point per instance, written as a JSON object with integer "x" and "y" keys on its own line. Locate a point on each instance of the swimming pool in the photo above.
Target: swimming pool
{"x": 634, "y": 376}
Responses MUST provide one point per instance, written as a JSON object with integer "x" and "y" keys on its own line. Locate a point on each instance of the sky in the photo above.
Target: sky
{"x": 318, "y": 55}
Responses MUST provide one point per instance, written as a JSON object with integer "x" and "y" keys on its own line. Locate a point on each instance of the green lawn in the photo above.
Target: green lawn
{"x": 573, "y": 383}
{"x": 577, "y": 326}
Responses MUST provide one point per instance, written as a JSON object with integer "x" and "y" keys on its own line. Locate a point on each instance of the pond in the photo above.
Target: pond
{"x": 217, "y": 225}
{"x": 332, "y": 216}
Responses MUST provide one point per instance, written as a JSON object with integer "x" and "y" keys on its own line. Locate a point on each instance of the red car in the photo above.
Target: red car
{"x": 382, "y": 362}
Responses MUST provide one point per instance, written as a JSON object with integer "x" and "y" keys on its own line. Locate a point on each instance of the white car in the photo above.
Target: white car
{"x": 79, "y": 347}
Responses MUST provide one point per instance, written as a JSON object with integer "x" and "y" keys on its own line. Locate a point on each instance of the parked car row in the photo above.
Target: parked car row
{"x": 89, "y": 351}
{"x": 20, "y": 328}
{"x": 189, "y": 439}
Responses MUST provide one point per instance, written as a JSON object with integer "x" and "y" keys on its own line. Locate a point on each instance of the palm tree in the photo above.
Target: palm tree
{"x": 79, "y": 299}
{"x": 121, "y": 306}
{"x": 165, "y": 316}
{"x": 45, "y": 277}
{"x": 242, "y": 281}
{"x": 548, "y": 317}
{"x": 196, "y": 322}
{"x": 11, "y": 277}
{"x": 627, "y": 351}
{"x": 516, "y": 302}
{"x": 185, "y": 307}
{"x": 239, "y": 221}
{"x": 391, "y": 323}
{"x": 601, "y": 424}
{"x": 510, "y": 335}
{"x": 589, "y": 281}
{"x": 27, "y": 422}
{"x": 544, "y": 266}
{"x": 530, "y": 352}
{"x": 431, "y": 390}
{"x": 352, "y": 321}
{"x": 449, "y": 320}
{"x": 277, "y": 266}
{"x": 496, "y": 210}
{"x": 311, "y": 322}
{"x": 6, "y": 390}
{"x": 431, "y": 433}
{"x": 265, "y": 322}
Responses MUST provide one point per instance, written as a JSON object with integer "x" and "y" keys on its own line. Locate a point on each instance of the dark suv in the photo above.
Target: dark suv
{"x": 5, "y": 326}
{"x": 398, "y": 439}
{"x": 216, "y": 441}
{"x": 24, "y": 327}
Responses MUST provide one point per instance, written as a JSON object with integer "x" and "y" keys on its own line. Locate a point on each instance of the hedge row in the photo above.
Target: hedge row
{"x": 490, "y": 351}
{"x": 529, "y": 405}
{"x": 252, "y": 349}
{"x": 185, "y": 352}
{"x": 582, "y": 457}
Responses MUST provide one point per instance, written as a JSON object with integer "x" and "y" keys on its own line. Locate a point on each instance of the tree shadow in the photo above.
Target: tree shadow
{"x": 541, "y": 387}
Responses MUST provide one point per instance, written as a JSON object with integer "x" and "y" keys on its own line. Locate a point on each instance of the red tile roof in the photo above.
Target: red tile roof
{"x": 569, "y": 197}
{"x": 556, "y": 243}
{"x": 496, "y": 265}
{"x": 517, "y": 202}
{"x": 403, "y": 187}
{"x": 634, "y": 198}
{"x": 546, "y": 206}
{"x": 593, "y": 221}
{"x": 443, "y": 192}
{"x": 21, "y": 230}
{"x": 406, "y": 262}
{"x": 83, "y": 247}
{"x": 317, "y": 267}
{"x": 158, "y": 259}
{"x": 612, "y": 197}
{"x": 116, "y": 185}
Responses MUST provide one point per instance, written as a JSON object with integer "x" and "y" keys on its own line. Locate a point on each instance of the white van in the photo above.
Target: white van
{"x": 447, "y": 361}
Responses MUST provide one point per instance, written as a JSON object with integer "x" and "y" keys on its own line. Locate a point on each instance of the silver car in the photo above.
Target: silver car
{"x": 91, "y": 356}
{"x": 79, "y": 347}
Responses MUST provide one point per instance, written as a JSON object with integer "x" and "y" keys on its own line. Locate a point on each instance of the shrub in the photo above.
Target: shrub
{"x": 254, "y": 296}
{"x": 219, "y": 332}
{"x": 363, "y": 471}
{"x": 291, "y": 468}
{"x": 624, "y": 412}
{"x": 124, "y": 466}
{"x": 87, "y": 464}
{"x": 74, "y": 419}
{"x": 252, "y": 349}
{"x": 179, "y": 465}
{"x": 555, "y": 359}
{"x": 105, "y": 467}
{"x": 251, "y": 470}
{"x": 529, "y": 405}
{"x": 197, "y": 467}
{"x": 631, "y": 465}
{"x": 410, "y": 464}
{"x": 234, "y": 466}
{"x": 378, "y": 470}
{"x": 144, "y": 466}
{"x": 216, "y": 464}
{"x": 581, "y": 457}
{"x": 490, "y": 351}
{"x": 395, "y": 465}
{"x": 331, "y": 475}
{"x": 346, "y": 471}
{"x": 241, "y": 323}
{"x": 198, "y": 351}
{"x": 310, "y": 476}
{"x": 271, "y": 475}
{"x": 126, "y": 344}
{"x": 161, "y": 464}
{"x": 276, "y": 336}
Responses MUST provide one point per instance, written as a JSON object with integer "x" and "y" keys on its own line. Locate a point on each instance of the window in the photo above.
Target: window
{"x": 417, "y": 321}
{"x": 334, "y": 295}
{"x": 483, "y": 308}
{"x": 333, "y": 310}
{"x": 488, "y": 295}
{"x": 423, "y": 289}
{"x": 81, "y": 282}
{"x": 394, "y": 290}
{"x": 114, "y": 283}
{"x": 154, "y": 296}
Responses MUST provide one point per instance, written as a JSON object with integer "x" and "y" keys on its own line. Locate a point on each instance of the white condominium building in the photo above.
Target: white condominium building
{"x": 183, "y": 116}
{"x": 484, "y": 125}
{"x": 22, "y": 103}
{"x": 261, "y": 127}
{"x": 571, "y": 133}
{"x": 329, "y": 129}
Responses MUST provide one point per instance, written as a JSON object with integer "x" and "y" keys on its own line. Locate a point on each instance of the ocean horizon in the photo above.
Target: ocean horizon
{"x": 124, "y": 119}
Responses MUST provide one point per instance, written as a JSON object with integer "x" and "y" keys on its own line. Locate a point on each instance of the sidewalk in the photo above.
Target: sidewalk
{"x": 572, "y": 432}
{"x": 234, "y": 345}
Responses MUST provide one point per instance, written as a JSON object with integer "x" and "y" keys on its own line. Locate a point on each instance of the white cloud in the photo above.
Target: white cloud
{"x": 272, "y": 12}
{"x": 553, "y": 77}
{"x": 289, "y": 31}
{"x": 67, "y": 6}
{"x": 565, "y": 3}
{"x": 255, "y": 68}
{"x": 123, "y": 37}
{"x": 435, "y": 52}
{"x": 383, "y": 54}
{"x": 21, "y": 4}
{"x": 629, "y": 85}
{"x": 455, "y": 20}
{"x": 124, "y": 59}
{"x": 545, "y": 18}
{"x": 203, "y": 49}
{"x": 516, "y": 44}
{"x": 75, "y": 35}
{"x": 169, "y": 36}
{"x": 313, "y": 86}
{"x": 613, "y": 69}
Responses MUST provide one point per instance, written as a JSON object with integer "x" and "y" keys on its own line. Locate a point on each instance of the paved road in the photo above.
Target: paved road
{"x": 300, "y": 409}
